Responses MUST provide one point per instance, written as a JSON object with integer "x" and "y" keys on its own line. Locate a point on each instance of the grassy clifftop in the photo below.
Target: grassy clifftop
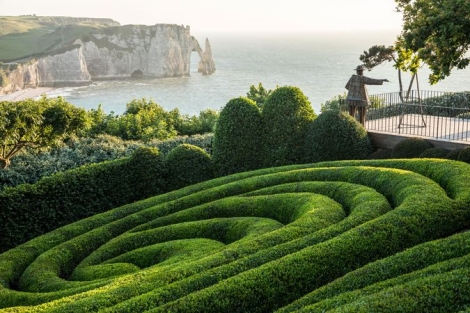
{"x": 22, "y": 37}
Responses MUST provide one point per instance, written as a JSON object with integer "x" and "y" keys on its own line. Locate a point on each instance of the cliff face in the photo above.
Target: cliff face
{"x": 162, "y": 50}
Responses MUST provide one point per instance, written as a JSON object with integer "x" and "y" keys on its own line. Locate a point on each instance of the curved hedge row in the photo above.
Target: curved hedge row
{"x": 30, "y": 210}
{"x": 346, "y": 236}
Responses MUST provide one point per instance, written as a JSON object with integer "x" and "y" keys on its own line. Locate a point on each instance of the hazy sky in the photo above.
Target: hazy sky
{"x": 225, "y": 15}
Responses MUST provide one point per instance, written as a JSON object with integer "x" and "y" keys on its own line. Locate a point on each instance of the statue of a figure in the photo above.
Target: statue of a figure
{"x": 357, "y": 97}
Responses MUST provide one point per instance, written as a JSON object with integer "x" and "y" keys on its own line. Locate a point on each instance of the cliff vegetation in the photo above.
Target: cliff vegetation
{"x": 27, "y": 36}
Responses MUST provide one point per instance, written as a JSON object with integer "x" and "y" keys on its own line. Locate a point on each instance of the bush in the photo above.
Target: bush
{"x": 410, "y": 148}
{"x": 188, "y": 165}
{"x": 439, "y": 153}
{"x": 30, "y": 166}
{"x": 464, "y": 155}
{"x": 335, "y": 135}
{"x": 380, "y": 154}
{"x": 286, "y": 115}
{"x": 236, "y": 145}
{"x": 28, "y": 210}
{"x": 453, "y": 154}
{"x": 337, "y": 103}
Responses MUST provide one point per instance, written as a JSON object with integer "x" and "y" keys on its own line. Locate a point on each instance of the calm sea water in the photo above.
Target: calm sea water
{"x": 319, "y": 64}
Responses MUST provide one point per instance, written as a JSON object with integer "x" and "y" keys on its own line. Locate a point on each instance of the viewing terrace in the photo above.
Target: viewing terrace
{"x": 441, "y": 117}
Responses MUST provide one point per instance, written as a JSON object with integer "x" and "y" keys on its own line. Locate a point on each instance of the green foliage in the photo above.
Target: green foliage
{"x": 380, "y": 154}
{"x": 30, "y": 210}
{"x": 146, "y": 120}
{"x": 37, "y": 124}
{"x": 410, "y": 148}
{"x": 143, "y": 120}
{"x": 286, "y": 116}
{"x": 453, "y": 154}
{"x": 188, "y": 165}
{"x": 30, "y": 166}
{"x": 337, "y": 103}
{"x": 236, "y": 145}
{"x": 192, "y": 125}
{"x": 376, "y": 55}
{"x": 438, "y": 32}
{"x": 26, "y": 36}
{"x": 335, "y": 135}
{"x": 333, "y": 235}
{"x": 3, "y": 78}
{"x": 465, "y": 115}
{"x": 464, "y": 155}
{"x": 440, "y": 153}
{"x": 259, "y": 95}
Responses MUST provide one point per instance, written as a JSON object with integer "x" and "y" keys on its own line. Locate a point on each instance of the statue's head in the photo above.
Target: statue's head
{"x": 360, "y": 69}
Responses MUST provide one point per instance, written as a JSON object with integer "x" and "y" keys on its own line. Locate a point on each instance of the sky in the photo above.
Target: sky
{"x": 225, "y": 15}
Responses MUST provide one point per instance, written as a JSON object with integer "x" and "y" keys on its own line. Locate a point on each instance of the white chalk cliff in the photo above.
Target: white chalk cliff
{"x": 161, "y": 50}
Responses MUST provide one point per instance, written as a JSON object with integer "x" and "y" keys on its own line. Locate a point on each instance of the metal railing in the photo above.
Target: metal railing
{"x": 439, "y": 115}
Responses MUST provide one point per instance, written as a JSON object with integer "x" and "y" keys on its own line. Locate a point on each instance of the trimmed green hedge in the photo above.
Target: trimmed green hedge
{"x": 236, "y": 146}
{"x": 335, "y": 135}
{"x": 188, "y": 165}
{"x": 286, "y": 115}
{"x": 464, "y": 155}
{"x": 410, "y": 148}
{"x": 28, "y": 210}
{"x": 258, "y": 241}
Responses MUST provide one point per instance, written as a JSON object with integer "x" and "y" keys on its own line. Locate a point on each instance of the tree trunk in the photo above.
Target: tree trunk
{"x": 4, "y": 163}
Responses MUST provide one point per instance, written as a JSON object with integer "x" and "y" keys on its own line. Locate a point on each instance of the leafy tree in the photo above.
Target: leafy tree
{"x": 258, "y": 94}
{"x": 286, "y": 116}
{"x": 404, "y": 60}
{"x": 98, "y": 121}
{"x": 192, "y": 125}
{"x": 37, "y": 124}
{"x": 439, "y": 32}
{"x": 143, "y": 120}
{"x": 337, "y": 103}
{"x": 236, "y": 145}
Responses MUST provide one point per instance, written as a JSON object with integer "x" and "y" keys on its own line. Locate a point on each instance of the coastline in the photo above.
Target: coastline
{"x": 26, "y": 94}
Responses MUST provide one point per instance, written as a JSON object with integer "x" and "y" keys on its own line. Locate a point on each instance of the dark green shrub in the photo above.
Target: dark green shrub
{"x": 439, "y": 153}
{"x": 380, "y": 154}
{"x": 236, "y": 145}
{"x": 28, "y": 210}
{"x": 464, "y": 155}
{"x": 410, "y": 148}
{"x": 453, "y": 154}
{"x": 29, "y": 167}
{"x": 335, "y": 135}
{"x": 286, "y": 115}
{"x": 188, "y": 165}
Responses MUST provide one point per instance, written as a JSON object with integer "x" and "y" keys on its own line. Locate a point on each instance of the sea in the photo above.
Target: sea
{"x": 320, "y": 64}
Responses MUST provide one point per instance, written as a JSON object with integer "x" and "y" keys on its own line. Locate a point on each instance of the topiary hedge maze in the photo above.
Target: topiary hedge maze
{"x": 343, "y": 236}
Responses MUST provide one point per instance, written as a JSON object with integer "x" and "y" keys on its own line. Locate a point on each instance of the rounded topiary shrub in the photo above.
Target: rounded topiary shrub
{"x": 286, "y": 114}
{"x": 464, "y": 155}
{"x": 335, "y": 135}
{"x": 380, "y": 154}
{"x": 187, "y": 165}
{"x": 147, "y": 165}
{"x": 236, "y": 144}
{"x": 453, "y": 154}
{"x": 410, "y": 148}
{"x": 439, "y": 153}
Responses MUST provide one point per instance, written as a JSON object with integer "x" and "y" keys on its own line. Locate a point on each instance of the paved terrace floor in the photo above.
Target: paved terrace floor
{"x": 450, "y": 131}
